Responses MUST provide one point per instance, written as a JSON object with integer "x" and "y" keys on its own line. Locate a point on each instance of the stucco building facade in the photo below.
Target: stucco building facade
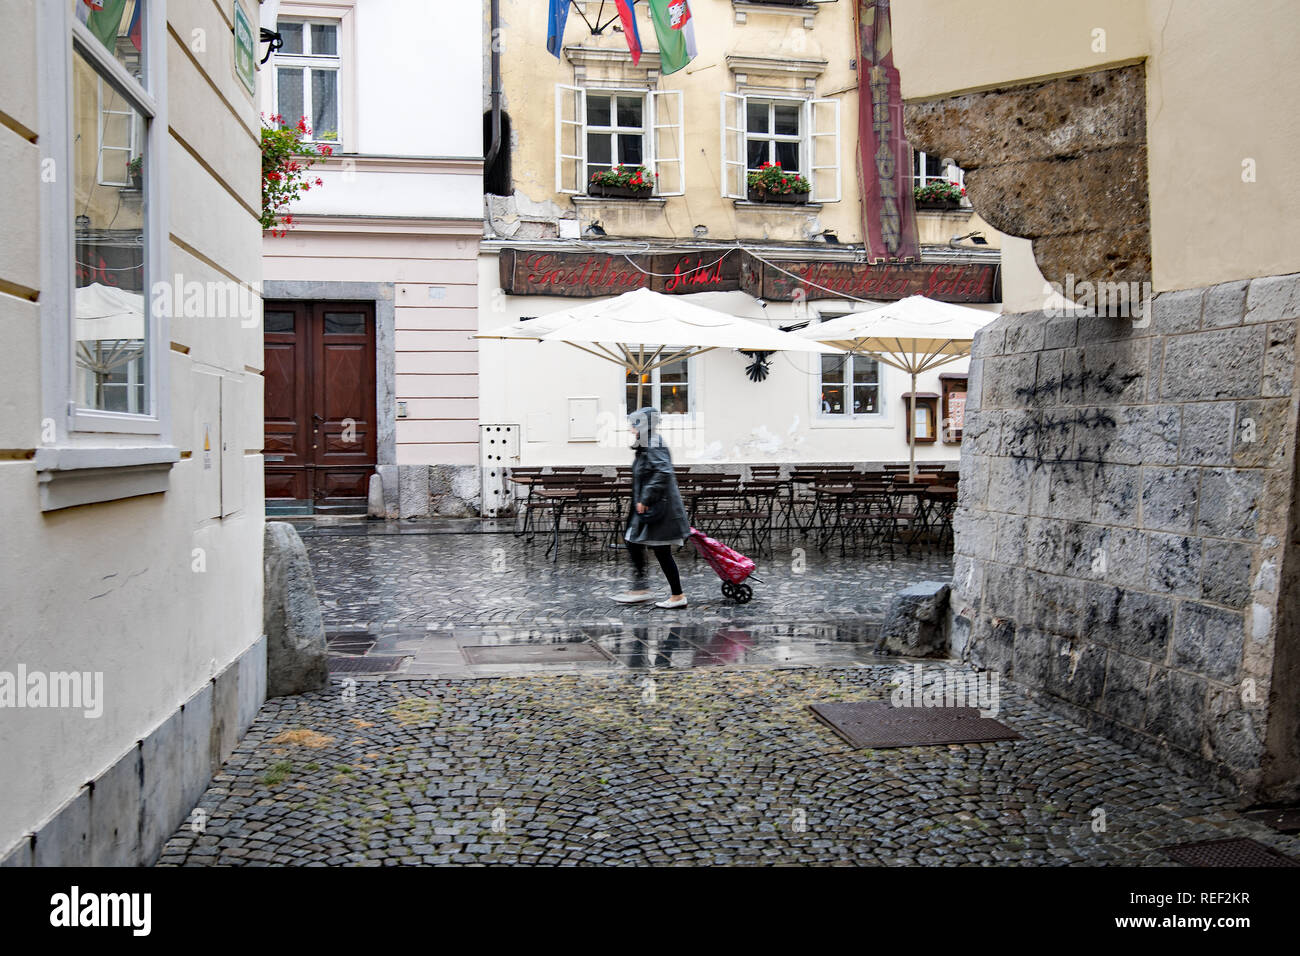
{"x": 372, "y": 294}
{"x": 131, "y": 650}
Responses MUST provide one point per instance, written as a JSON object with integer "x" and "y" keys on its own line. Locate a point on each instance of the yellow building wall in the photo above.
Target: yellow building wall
{"x": 530, "y": 75}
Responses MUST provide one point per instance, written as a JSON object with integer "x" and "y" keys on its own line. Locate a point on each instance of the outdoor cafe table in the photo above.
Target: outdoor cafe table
{"x": 561, "y": 496}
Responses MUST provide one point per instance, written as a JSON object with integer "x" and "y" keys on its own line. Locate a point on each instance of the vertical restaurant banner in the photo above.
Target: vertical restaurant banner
{"x": 884, "y": 158}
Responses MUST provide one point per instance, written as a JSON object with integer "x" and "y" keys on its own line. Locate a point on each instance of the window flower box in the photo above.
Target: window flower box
{"x": 762, "y": 195}
{"x": 939, "y": 195}
{"x": 770, "y": 183}
{"x": 623, "y": 182}
{"x": 620, "y": 192}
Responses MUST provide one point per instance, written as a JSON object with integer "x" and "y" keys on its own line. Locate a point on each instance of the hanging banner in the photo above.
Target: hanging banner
{"x": 884, "y": 158}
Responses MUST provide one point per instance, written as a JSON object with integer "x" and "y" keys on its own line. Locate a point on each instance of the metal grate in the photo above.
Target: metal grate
{"x": 1237, "y": 851}
{"x": 580, "y": 651}
{"x": 375, "y": 664}
{"x": 879, "y": 725}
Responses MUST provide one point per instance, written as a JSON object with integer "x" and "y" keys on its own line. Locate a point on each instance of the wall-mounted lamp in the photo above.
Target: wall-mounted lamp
{"x": 701, "y": 231}
{"x": 976, "y": 238}
{"x": 830, "y": 238}
{"x": 594, "y": 229}
{"x": 83, "y": 223}
{"x": 401, "y": 409}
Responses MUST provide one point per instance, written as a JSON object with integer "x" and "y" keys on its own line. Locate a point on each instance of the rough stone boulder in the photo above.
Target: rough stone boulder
{"x": 914, "y": 624}
{"x": 295, "y": 633}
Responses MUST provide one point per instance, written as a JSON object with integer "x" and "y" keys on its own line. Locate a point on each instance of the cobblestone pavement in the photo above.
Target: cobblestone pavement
{"x": 698, "y": 766}
{"x": 387, "y": 578}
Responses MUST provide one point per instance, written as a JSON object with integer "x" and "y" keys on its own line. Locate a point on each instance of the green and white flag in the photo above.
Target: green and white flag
{"x": 675, "y": 28}
{"x": 104, "y": 18}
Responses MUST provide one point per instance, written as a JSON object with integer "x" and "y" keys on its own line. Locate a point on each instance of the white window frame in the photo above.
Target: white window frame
{"x": 662, "y": 120}
{"x": 106, "y": 455}
{"x": 771, "y": 137}
{"x": 307, "y": 62}
{"x": 951, "y": 173}
{"x": 848, "y": 384}
{"x": 824, "y": 177}
{"x": 652, "y": 393}
{"x": 132, "y": 147}
{"x": 614, "y": 131}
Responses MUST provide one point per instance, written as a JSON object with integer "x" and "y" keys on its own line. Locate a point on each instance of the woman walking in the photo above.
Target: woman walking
{"x": 656, "y": 518}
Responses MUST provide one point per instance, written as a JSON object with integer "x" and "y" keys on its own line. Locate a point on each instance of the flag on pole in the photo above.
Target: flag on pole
{"x": 675, "y": 28}
{"x": 104, "y": 19}
{"x": 134, "y": 31}
{"x": 555, "y": 21}
{"x": 627, "y": 13}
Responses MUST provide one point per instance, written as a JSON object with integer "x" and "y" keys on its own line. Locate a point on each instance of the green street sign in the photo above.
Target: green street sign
{"x": 245, "y": 49}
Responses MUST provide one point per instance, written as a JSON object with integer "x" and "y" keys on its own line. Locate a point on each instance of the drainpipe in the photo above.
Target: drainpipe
{"x": 493, "y": 39}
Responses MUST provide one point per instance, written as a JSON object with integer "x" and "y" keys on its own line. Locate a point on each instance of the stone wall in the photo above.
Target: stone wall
{"x": 1125, "y": 527}
{"x": 1062, "y": 162}
{"x": 431, "y": 491}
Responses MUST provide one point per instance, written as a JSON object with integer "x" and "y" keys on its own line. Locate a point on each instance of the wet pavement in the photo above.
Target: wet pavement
{"x": 390, "y": 575}
{"x": 489, "y": 707}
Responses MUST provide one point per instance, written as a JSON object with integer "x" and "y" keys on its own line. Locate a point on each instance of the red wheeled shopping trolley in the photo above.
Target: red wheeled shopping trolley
{"x": 729, "y": 564}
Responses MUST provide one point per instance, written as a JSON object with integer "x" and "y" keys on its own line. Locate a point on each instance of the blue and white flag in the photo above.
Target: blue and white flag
{"x": 555, "y": 26}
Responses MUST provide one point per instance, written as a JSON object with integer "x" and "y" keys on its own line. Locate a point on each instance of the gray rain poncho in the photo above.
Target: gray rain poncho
{"x": 655, "y": 485}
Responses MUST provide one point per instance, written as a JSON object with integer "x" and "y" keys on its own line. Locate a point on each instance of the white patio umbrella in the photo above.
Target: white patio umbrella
{"x": 913, "y": 335}
{"x": 644, "y": 330}
{"x": 108, "y": 313}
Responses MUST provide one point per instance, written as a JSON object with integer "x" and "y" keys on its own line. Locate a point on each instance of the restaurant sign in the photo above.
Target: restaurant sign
{"x": 590, "y": 274}
{"x": 593, "y": 274}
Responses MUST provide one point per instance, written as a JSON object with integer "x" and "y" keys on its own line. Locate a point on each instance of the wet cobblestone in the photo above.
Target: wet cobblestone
{"x": 401, "y": 580}
{"x": 679, "y": 767}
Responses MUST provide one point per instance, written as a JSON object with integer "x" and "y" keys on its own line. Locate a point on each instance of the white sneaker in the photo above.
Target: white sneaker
{"x": 629, "y": 598}
{"x": 669, "y": 604}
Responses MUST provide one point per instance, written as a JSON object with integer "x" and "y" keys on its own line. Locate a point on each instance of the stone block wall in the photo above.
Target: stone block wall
{"x": 1125, "y": 530}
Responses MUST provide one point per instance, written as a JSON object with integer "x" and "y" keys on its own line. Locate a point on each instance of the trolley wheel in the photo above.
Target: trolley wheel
{"x": 729, "y": 591}
{"x": 744, "y": 593}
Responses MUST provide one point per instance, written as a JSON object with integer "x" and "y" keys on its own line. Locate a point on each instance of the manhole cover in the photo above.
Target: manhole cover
{"x": 535, "y": 653}
{"x": 880, "y": 725}
{"x": 1235, "y": 852}
{"x": 376, "y": 664}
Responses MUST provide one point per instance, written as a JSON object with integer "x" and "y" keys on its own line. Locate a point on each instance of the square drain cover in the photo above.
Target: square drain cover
{"x": 880, "y": 725}
{"x": 578, "y": 651}
{"x": 375, "y": 664}
{"x": 1235, "y": 852}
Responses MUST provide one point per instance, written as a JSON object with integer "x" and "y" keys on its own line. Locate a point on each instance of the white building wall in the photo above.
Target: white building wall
{"x": 401, "y": 205}
{"x": 158, "y": 592}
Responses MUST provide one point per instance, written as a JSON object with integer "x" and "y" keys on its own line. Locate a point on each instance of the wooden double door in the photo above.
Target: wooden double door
{"x": 320, "y": 442}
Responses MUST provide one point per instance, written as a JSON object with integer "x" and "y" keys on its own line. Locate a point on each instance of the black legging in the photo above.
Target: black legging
{"x": 664, "y": 552}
